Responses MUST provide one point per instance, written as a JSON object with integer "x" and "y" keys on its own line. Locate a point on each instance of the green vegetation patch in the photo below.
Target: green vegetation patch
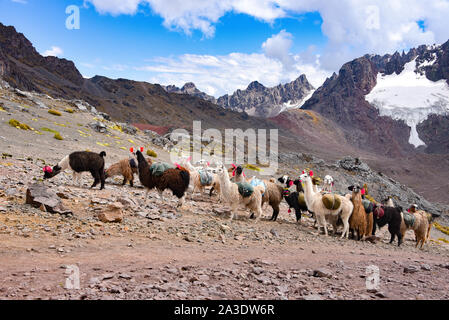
{"x": 55, "y": 112}
{"x": 16, "y": 124}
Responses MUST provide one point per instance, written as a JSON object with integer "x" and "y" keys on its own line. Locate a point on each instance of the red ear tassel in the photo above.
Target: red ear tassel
{"x": 189, "y": 158}
{"x": 363, "y": 191}
{"x": 291, "y": 183}
{"x": 141, "y": 149}
{"x": 303, "y": 172}
{"x": 289, "y": 210}
{"x": 311, "y": 173}
{"x": 131, "y": 150}
{"x": 233, "y": 173}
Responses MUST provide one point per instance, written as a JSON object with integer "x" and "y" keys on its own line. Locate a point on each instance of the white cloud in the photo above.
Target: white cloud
{"x": 115, "y": 7}
{"x": 353, "y": 28}
{"x": 54, "y": 51}
{"x": 219, "y": 75}
{"x": 278, "y": 47}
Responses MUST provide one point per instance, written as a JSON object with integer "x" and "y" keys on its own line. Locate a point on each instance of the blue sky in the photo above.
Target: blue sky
{"x": 221, "y": 45}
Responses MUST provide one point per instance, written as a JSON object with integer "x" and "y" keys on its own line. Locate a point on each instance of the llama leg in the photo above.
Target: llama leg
{"x": 131, "y": 183}
{"x": 392, "y": 237}
{"x": 161, "y": 195}
{"x": 400, "y": 239}
{"x": 345, "y": 229}
{"x": 147, "y": 197}
{"x": 96, "y": 176}
{"x": 102, "y": 178}
{"x": 181, "y": 202}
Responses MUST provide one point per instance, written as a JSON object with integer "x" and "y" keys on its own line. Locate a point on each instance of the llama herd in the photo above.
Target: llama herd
{"x": 357, "y": 215}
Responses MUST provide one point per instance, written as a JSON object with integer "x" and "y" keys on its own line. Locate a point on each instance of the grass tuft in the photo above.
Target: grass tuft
{"x": 55, "y": 112}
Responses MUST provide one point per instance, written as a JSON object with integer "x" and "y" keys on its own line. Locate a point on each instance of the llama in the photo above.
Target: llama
{"x": 81, "y": 161}
{"x": 273, "y": 195}
{"x": 216, "y": 184}
{"x": 358, "y": 220}
{"x": 391, "y": 216}
{"x": 315, "y": 203}
{"x": 420, "y": 222}
{"x": 295, "y": 199}
{"x": 231, "y": 194}
{"x": 328, "y": 184}
{"x": 177, "y": 180}
{"x": 199, "y": 178}
{"x": 126, "y": 168}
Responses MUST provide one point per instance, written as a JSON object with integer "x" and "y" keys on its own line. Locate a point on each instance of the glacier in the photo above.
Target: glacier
{"x": 411, "y": 97}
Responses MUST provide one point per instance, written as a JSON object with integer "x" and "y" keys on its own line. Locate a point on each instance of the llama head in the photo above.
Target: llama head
{"x": 304, "y": 176}
{"x": 50, "y": 172}
{"x": 355, "y": 188}
{"x": 283, "y": 179}
{"x": 328, "y": 180}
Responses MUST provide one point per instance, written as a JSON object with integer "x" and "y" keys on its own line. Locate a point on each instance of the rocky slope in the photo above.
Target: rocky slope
{"x": 260, "y": 101}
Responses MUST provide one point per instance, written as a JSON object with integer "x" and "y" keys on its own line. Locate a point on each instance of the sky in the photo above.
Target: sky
{"x": 223, "y": 45}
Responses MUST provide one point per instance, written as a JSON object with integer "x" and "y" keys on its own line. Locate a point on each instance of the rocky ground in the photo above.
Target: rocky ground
{"x": 160, "y": 252}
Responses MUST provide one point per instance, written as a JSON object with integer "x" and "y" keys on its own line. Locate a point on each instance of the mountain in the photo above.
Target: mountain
{"x": 191, "y": 89}
{"x": 346, "y": 116}
{"x": 125, "y": 100}
{"x": 260, "y": 101}
{"x": 387, "y": 103}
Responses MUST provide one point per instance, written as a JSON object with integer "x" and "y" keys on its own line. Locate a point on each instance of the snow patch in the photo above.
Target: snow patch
{"x": 411, "y": 97}
{"x": 297, "y": 105}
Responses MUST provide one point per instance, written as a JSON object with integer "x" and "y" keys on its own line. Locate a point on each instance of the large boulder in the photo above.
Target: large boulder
{"x": 98, "y": 127}
{"x": 113, "y": 213}
{"x": 39, "y": 196}
{"x": 127, "y": 128}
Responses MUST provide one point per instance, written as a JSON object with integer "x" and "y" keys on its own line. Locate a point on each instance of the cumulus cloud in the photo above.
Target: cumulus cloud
{"x": 278, "y": 47}
{"x": 54, "y": 51}
{"x": 219, "y": 75}
{"x": 353, "y": 28}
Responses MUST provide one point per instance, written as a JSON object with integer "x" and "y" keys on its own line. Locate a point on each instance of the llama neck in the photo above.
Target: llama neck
{"x": 225, "y": 182}
{"x": 64, "y": 164}
{"x": 356, "y": 200}
{"x": 308, "y": 190}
